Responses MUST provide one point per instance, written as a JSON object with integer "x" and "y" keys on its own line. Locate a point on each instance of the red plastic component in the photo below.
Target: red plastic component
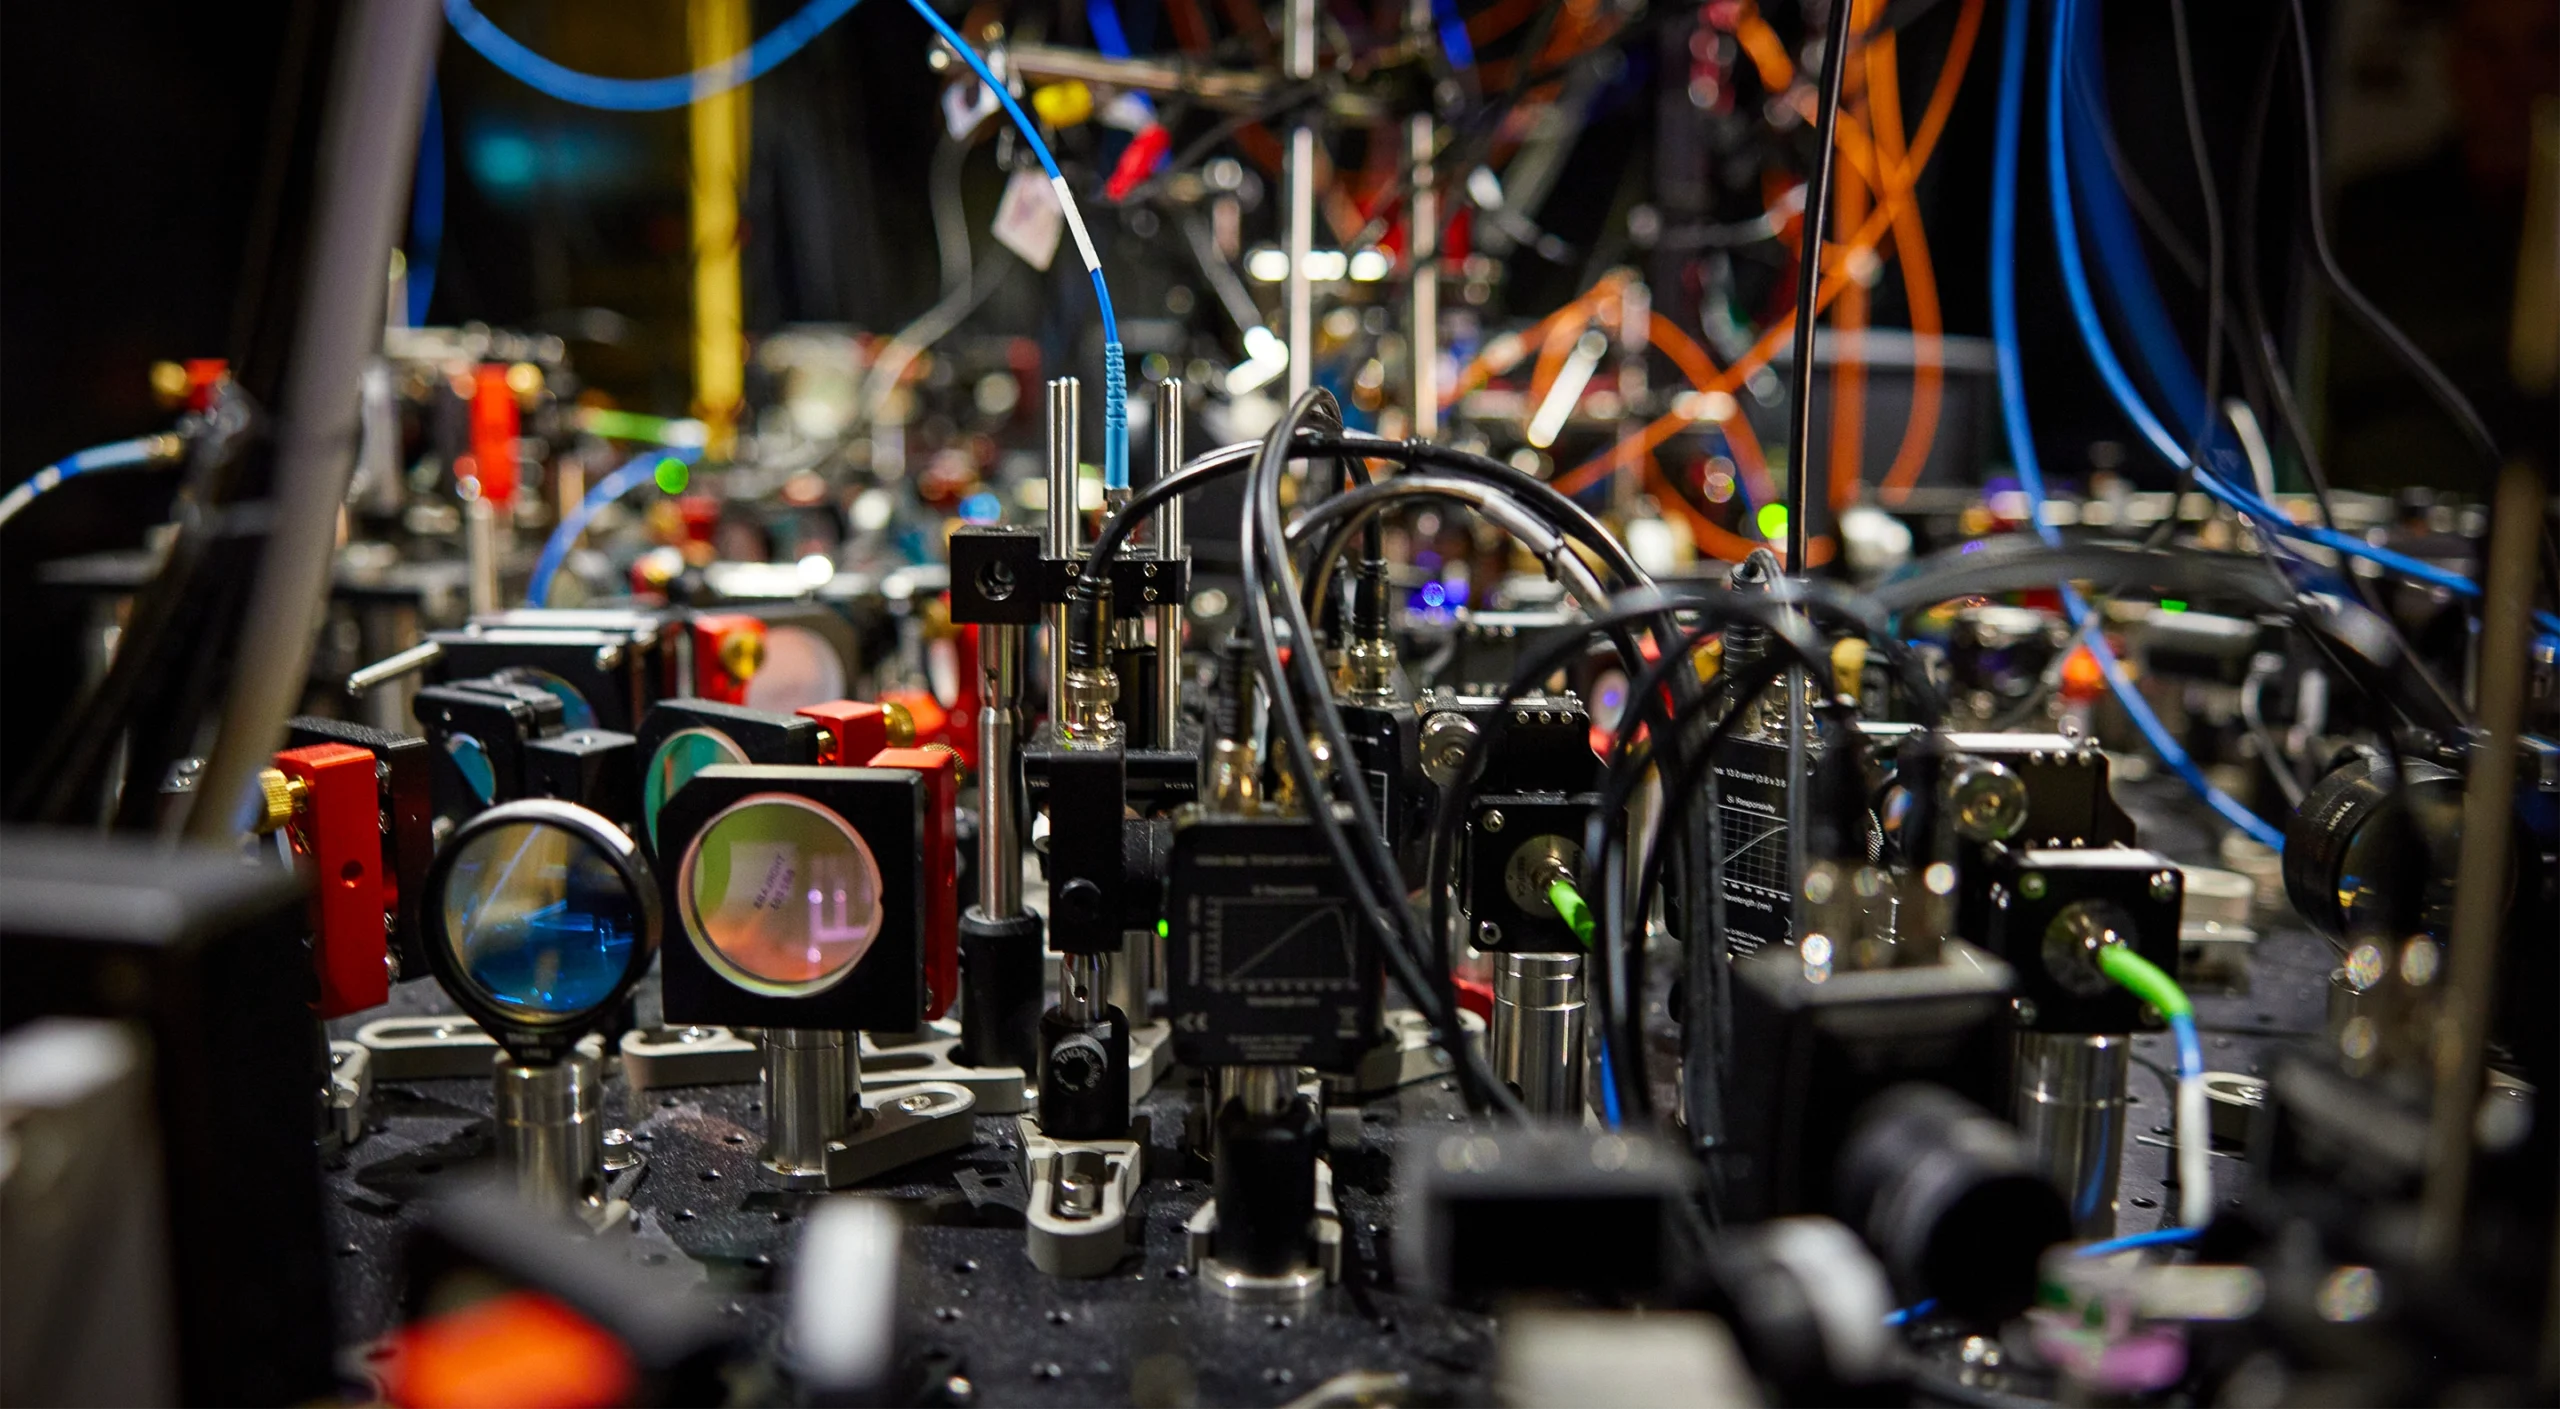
{"x": 712, "y": 678}
{"x": 495, "y": 424}
{"x": 859, "y": 731}
{"x": 339, "y": 827}
{"x": 1138, "y": 161}
{"x": 516, "y": 1348}
{"x": 962, "y": 729}
{"x": 701, "y": 516}
{"x": 205, "y": 376}
{"x": 941, "y": 869}
{"x": 1475, "y": 995}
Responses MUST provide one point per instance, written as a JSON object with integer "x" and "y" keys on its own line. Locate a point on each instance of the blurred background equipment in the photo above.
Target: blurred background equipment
{"x": 1145, "y": 701}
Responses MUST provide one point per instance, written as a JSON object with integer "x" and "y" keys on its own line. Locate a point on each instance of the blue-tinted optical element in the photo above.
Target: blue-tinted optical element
{"x": 539, "y": 920}
{"x": 472, "y": 757}
{"x": 575, "y": 712}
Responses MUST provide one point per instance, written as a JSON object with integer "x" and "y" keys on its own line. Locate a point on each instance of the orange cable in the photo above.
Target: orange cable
{"x": 1911, "y": 246}
{"x": 1933, "y": 123}
{"x": 1500, "y": 20}
{"x": 1768, "y": 52}
{"x": 1485, "y": 365}
{"x": 1705, "y": 532}
{"x": 1693, "y": 362}
{"x": 1848, "y": 372}
{"x": 1552, "y": 352}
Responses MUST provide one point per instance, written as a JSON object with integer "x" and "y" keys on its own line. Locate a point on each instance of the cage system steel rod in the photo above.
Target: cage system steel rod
{"x": 1299, "y": 57}
{"x": 1802, "y": 502}
{"x": 367, "y": 141}
{"x": 1065, "y": 522}
{"x": 1000, "y": 650}
{"x": 2480, "y": 877}
{"x": 1169, "y": 548}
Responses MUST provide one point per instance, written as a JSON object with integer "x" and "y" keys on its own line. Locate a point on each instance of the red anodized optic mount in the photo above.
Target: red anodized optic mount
{"x": 337, "y": 825}
{"x": 858, "y": 733}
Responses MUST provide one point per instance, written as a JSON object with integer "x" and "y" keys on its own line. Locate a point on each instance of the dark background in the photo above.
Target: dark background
{"x": 134, "y": 136}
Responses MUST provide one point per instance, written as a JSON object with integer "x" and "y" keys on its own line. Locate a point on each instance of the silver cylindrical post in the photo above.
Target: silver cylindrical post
{"x": 1084, "y": 987}
{"x": 1537, "y": 1030}
{"x": 1299, "y": 57}
{"x": 480, "y": 553}
{"x": 2070, "y": 1107}
{"x": 808, "y": 1097}
{"x": 1066, "y": 524}
{"x": 1423, "y": 139}
{"x": 550, "y": 1127}
{"x": 1265, "y": 1090}
{"x": 1169, "y": 547}
{"x": 999, "y": 730}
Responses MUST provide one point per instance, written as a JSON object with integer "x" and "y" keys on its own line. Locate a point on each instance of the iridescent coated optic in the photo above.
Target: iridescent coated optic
{"x": 780, "y": 896}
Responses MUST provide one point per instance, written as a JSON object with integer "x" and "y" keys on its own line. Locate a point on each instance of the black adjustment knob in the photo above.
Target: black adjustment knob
{"x": 1078, "y": 1064}
{"x": 1080, "y": 899}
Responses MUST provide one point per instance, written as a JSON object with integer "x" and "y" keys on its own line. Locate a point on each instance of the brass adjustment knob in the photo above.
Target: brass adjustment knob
{"x": 742, "y": 654}
{"x": 900, "y": 724}
{"x": 279, "y": 798}
{"x": 959, "y": 765}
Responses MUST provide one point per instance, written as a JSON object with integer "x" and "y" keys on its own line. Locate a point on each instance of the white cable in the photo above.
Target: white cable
{"x": 25, "y": 494}
{"x": 2195, "y": 1153}
{"x": 2253, "y": 444}
{"x": 1075, "y": 223}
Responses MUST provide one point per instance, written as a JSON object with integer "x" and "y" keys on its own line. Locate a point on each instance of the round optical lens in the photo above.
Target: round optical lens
{"x": 539, "y": 920}
{"x": 800, "y": 669}
{"x": 678, "y": 759}
{"x": 575, "y": 712}
{"x": 472, "y": 758}
{"x": 780, "y": 896}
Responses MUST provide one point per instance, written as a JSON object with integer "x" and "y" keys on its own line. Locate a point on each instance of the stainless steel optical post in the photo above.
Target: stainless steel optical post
{"x": 820, "y": 1133}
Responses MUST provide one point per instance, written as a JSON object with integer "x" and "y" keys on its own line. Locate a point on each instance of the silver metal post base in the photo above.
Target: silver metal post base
{"x": 550, "y": 1131}
{"x": 1405, "y": 1056}
{"x": 1079, "y": 1193}
{"x": 819, "y": 1134}
{"x": 1324, "y": 1242}
{"x": 2069, "y": 1103}
{"x": 421, "y": 1049}
{"x": 350, "y": 1093}
{"x": 894, "y": 1063}
{"x": 689, "y": 1056}
{"x": 1538, "y": 1030}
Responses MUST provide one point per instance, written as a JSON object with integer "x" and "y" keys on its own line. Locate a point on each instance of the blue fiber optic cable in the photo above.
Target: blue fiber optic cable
{"x": 2120, "y": 386}
{"x": 641, "y": 95}
{"x": 114, "y": 455}
{"x": 2022, "y": 450}
{"x": 1454, "y": 39}
{"x": 1115, "y": 374}
{"x": 640, "y": 469}
{"x": 783, "y": 41}
{"x": 2157, "y": 1238}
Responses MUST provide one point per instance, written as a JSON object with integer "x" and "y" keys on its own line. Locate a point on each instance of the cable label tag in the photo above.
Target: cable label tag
{"x": 1075, "y": 222}
{"x": 1029, "y": 219}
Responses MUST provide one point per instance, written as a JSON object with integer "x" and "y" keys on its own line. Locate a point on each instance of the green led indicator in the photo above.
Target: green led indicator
{"x": 2172, "y": 604}
{"x": 673, "y": 476}
{"x": 1163, "y": 928}
{"x": 1773, "y": 521}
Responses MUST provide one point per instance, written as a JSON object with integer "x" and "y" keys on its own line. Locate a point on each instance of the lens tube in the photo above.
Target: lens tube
{"x": 779, "y": 896}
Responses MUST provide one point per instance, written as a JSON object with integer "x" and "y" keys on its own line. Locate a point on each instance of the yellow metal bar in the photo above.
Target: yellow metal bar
{"x": 718, "y": 30}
